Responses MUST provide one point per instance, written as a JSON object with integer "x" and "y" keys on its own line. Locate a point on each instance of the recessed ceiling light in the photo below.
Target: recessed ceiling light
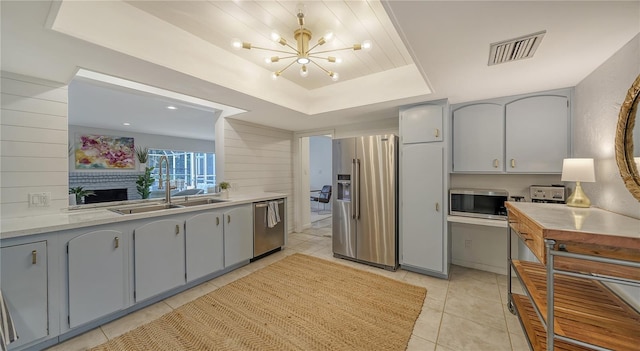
{"x": 171, "y": 107}
{"x": 126, "y": 124}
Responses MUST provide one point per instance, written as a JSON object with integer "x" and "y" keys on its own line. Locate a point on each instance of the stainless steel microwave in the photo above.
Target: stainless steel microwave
{"x": 479, "y": 203}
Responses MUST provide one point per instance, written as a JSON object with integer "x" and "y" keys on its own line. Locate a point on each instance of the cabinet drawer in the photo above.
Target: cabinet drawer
{"x": 530, "y": 233}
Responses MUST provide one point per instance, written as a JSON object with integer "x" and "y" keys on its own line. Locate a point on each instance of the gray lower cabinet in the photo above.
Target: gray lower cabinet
{"x": 24, "y": 287}
{"x": 204, "y": 240}
{"x": 238, "y": 235}
{"x": 97, "y": 275}
{"x": 159, "y": 257}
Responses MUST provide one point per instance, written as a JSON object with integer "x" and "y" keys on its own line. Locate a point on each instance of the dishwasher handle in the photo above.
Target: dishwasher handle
{"x": 265, "y": 204}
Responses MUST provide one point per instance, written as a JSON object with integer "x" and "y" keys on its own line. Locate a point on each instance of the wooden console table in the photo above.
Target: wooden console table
{"x": 568, "y": 305}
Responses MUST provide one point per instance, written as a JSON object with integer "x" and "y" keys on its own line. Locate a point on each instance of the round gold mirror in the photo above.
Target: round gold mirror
{"x": 626, "y": 154}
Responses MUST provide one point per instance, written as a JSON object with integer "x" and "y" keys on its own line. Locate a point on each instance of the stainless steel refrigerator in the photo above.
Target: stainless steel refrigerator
{"x": 365, "y": 200}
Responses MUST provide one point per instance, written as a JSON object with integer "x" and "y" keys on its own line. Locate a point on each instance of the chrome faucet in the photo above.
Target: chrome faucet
{"x": 167, "y": 191}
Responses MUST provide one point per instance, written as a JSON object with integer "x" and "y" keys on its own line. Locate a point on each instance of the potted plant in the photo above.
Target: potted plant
{"x": 80, "y": 193}
{"x": 224, "y": 186}
{"x": 144, "y": 182}
{"x": 142, "y": 154}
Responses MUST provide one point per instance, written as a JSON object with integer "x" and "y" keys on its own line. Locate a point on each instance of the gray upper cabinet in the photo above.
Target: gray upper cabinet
{"x": 97, "y": 275}
{"x": 478, "y": 138}
{"x": 537, "y": 134}
{"x": 238, "y": 235}
{"x": 24, "y": 287}
{"x": 159, "y": 257}
{"x": 204, "y": 236}
{"x": 526, "y": 134}
{"x": 421, "y": 124}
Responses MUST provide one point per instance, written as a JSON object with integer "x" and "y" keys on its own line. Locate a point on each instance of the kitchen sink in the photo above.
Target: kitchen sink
{"x": 199, "y": 202}
{"x": 144, "y": 208}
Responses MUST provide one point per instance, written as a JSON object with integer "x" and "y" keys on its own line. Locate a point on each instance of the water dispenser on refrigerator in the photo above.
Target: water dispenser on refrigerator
{"x": 344, "y": 187}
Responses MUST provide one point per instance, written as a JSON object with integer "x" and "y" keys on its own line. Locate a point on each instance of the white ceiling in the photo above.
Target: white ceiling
{"x": 183, "y": 46}
{"x": 352, "y": 22}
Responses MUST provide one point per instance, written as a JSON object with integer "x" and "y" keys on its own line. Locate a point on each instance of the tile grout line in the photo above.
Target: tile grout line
{"x": 446, "y": 297}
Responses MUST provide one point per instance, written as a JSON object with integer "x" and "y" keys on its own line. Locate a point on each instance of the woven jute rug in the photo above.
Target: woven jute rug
{"x": 298, "y": 303}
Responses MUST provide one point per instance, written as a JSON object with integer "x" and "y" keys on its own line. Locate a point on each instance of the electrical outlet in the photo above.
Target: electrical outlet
{"x": 467, "y": 243}
{"x": 39, "y": 199}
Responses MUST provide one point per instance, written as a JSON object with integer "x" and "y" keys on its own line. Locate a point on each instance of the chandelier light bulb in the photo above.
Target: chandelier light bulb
{"x": 366, "y": 45}
{"x": 303, "y": 71}
{"x": 334, "y": 76}
{"x": 275, "y": 36}
{"x": 275, "y": 75}
{"x": 236, "y": 43}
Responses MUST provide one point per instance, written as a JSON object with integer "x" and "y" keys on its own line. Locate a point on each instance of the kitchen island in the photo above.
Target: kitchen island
{"x": 570, "y": 303}
{"x": 69, "y": 272}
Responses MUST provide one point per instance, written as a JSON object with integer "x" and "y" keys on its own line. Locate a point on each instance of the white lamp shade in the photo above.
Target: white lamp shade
{"x": 578, "y": 170}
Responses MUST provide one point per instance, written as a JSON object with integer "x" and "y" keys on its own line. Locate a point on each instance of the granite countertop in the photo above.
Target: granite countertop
{"x": 90, "y": 215}
{"x": 560, "y": 217}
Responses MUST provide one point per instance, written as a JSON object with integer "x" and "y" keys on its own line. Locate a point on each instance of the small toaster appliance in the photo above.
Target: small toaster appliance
{"x": 548, "y": 193}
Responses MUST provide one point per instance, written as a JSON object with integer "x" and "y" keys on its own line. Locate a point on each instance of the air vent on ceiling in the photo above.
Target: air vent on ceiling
{"x": 515, "y": 49}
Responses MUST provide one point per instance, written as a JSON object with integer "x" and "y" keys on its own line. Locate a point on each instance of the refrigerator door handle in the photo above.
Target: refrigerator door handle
{"x": 358, "y": 189}
{"x": 353, "y": 184}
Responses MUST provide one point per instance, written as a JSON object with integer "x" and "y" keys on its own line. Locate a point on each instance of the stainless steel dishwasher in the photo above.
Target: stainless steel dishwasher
{"x": 265, "y": 239}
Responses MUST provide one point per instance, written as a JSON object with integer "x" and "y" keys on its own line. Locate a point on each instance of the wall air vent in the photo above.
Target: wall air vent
{"x": 515, "y": 49}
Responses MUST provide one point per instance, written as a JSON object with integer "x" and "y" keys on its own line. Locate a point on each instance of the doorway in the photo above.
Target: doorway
{"x": 312, "y": 170}
{"x": 320, "y": 183}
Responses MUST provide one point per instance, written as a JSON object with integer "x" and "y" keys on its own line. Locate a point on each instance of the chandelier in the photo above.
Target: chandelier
{"x": 302, "y": 53}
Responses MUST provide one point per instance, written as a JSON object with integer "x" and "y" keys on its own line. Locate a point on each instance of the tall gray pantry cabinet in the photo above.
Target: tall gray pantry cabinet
{"x": 423, "y": 187}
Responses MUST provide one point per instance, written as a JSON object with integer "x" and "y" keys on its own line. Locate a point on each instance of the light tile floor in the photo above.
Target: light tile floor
{"x": 465, "y": 313}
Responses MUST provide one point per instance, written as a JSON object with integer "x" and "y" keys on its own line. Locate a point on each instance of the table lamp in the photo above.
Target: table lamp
{"x": 578, "y": 170}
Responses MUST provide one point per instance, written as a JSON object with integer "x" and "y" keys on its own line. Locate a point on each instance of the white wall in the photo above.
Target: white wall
{"x": 256, "y": 158}
{"x": 597, "y": 103}
{"x": 319, "y": 162}
{"x": 33, "y": 144}
{"x": 383, "y": 126}
{"x": 151, "y": 141}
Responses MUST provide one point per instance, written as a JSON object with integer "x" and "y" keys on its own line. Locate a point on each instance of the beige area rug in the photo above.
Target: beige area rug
{"x": 298, "y": 303}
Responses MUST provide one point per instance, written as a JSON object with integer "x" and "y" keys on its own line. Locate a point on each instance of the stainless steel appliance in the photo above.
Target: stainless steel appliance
{"x": 265, "y": 239}
{"x": 548, "y": 193}
{"x": 365, "y": 205}
{"x": 480, "y": 203}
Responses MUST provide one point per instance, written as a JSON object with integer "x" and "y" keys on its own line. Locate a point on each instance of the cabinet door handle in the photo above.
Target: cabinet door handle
{"x": 496, "y": 163}
{"x": 177, "y": 229}
{"x": 437, "y": 133}
{"x": 513, "y": 163}
{"x": 228, "y": 218}
{"x": 437, "y": 207}
{"x": 117, "y": 242}
{"x": 217, "y": 221}
{"x": 34, "y": 257}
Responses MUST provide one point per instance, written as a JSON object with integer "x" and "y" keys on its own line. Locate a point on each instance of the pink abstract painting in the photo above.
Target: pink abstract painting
{"x": 102, "y": 152}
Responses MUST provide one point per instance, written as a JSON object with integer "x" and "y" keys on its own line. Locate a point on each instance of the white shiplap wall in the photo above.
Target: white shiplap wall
{"x": 33, "y": 144}
{"x": 258, "y": 158}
